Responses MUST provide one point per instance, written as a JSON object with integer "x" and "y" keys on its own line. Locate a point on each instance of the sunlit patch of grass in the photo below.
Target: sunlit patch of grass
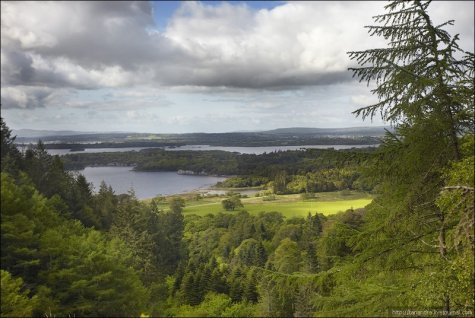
{"x": 289, "y": 205}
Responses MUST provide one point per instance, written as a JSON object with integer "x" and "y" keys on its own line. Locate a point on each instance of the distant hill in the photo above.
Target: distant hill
{"x": 32, "y": 133}
{"x": 350, "y": 131}
{"x": 282, "y": 136}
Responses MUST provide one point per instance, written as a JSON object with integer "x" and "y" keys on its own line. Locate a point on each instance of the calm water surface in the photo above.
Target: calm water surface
{"x": 150, "y": 184}
{"x": 146, "y": 184}
{"x": 267, "y": 149}
{"x": 94, "y": 150}
{"x": 246, "y": 150}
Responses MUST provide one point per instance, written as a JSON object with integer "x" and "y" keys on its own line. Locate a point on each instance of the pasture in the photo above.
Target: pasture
{"x": 291, "y": 205}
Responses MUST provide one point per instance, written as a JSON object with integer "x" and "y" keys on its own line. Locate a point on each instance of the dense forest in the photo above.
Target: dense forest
{"x": 67, "y": 251}
{"x": 312, "y": 170}
{"x": 282, "y": 137}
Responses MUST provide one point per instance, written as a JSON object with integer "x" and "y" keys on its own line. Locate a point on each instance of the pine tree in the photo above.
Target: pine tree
{"x": 15, "y": 301}
{"x": 218, "y": 282}
{"x": 10, "y": 156}
{"x": 250, "y": 287}
{"x": 205, "y": 282}
{"x": 105, "y": 205}
{"x": 418, "y": 76}
{"x": 187, "y": 289}
{"x": 426, "y": 92}
{"x": 235, "y": 282}
{"x": 172, "y": 228}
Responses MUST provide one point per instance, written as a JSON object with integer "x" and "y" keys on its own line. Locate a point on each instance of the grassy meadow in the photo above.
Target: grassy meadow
{"x": 291, "y": 205}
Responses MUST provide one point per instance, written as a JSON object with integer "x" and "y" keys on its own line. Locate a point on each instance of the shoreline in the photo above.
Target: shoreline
{"x": 209, "y": 191}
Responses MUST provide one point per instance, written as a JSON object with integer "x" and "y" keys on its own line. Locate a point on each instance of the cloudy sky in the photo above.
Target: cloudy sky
{"x": 177, "y": 67}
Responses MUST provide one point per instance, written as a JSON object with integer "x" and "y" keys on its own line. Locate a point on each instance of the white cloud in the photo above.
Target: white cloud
{"x": 108, "y": 44}
{"x": 290, "y": 45}
{"x": 364, "y": 100}
{"x": 226, "y": 58}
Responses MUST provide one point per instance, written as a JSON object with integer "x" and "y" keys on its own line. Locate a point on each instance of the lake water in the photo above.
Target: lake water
{"x": 146, "y": 184}
{"x": 246, "y": 150}
{"x": 94, "y": 150}
{"x": 149, "y": 184}
{"x": 267, "y": 149}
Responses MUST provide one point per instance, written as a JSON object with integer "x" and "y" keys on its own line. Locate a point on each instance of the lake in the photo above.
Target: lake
{"x": 146, "y": 184}
{"x": 246, "y": 150}
{"x": 94, "y": 150}
{"x": 266, "y": 149}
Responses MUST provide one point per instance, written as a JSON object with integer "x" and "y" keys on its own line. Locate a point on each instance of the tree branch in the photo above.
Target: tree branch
{"x": 459, "y": 188}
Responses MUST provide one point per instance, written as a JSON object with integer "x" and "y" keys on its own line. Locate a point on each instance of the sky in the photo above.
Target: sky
{"x": 181, "y": 67}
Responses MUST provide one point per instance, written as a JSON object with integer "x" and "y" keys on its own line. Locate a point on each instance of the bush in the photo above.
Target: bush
{"x": 307, "y": 196}
{"x": 270, "y": 197}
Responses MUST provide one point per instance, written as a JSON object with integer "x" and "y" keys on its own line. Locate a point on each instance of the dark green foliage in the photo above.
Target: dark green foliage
{"x": 7, "y": 140}
{"x": 11, "y": 160}
{"x": 232, "y": 203}
{"x": 250, "y": 287}
{"x": 250, "y": 253}
{"x": 289, "y": 136}
{"x": 188, "y": 289}
{"x": 311, "y": 231}
{"x": 280, "y": 183}
{"x": 71, "y": 269}
{"x": 283, "y": 295}
{"x": 286, "y": 258}
{"x": 177, "y": 204}
{"x": 412, "y": 246}
{"x": 105, "y": 204}
{"x": 172, "y": 224}
{"x": 236, "y": 282}
{"x": 82, "y": 210}
{"x": 134, "y": 224}
{"x": 218, "y": 282}
{"x": 48, "y": 176}
{"x": 46, "y": 171}
{"x": 25, "y": 215}
{"x": 15, "y": 300}
{"x": 94, "y": 277}
{"x": 426, "y": 91}
{"x": 205, "y": 280}
{"x": 215, "y": 305}
{"x": 243, "y": 182}
{"x": 312, "y": 170}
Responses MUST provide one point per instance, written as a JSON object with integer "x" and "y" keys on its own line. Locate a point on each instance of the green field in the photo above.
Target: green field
{"x": 289, "y": 205}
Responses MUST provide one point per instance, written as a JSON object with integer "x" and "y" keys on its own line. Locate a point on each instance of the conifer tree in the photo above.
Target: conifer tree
{"x": 236, "y": 286}
{"x": 172, "y": 227}
{"x": 425, "y": 91}
{"x": 187, "y": 289}
{"x": 250, "y": 287}
{"x": 418, "y": 76}
{"x": 10, "y": 156}
{"x": 218, "y": 282}
{"x": 14, "y": 301}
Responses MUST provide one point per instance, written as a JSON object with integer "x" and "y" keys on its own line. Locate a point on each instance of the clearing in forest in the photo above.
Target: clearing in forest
{"x": 291, "y": 205}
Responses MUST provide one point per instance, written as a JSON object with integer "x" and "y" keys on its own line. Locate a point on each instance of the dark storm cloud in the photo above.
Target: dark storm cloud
{"x": 16, "y": 68}
{"x": 250, "y": 79}
{"x": 25, "y": 97}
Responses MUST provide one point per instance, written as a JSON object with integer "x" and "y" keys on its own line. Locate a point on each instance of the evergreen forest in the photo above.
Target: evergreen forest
{"x": 67, "y": 251}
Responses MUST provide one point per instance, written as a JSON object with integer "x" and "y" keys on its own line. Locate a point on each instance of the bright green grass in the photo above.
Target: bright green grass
{"x": 288, "y": 205}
